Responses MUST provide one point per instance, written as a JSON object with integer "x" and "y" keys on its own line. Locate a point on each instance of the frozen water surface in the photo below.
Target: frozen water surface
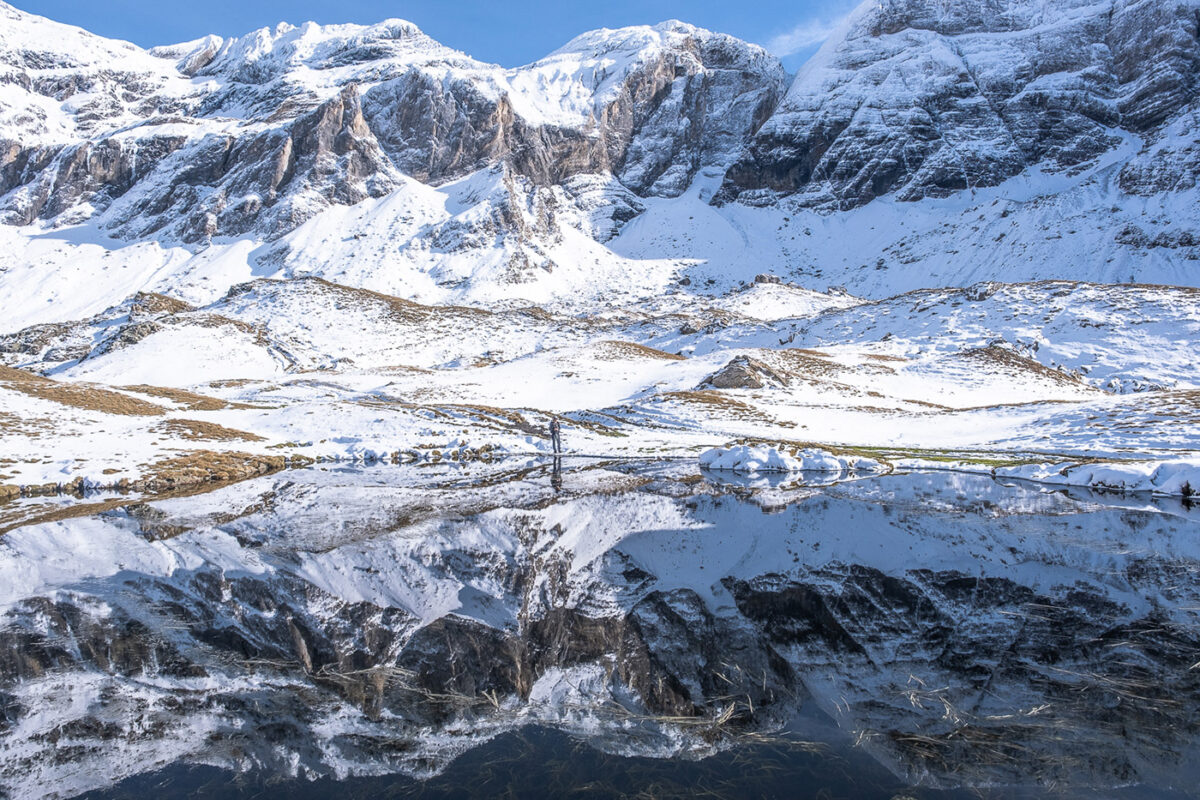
{"x": 526, "y": 629}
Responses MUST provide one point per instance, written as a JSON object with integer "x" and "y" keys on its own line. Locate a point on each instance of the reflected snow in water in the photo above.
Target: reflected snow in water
{"x": 529, "y": 629}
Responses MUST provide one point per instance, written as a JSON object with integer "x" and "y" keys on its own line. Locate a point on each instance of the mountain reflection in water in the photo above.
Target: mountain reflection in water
{"x": 513, "y": 629}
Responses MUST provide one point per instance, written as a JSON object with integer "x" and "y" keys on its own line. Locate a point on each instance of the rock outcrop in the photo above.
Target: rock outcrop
{"x": 744, "y": 372}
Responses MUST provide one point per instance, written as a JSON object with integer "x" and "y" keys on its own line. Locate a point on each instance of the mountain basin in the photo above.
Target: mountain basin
{"x": 528, "y": 628}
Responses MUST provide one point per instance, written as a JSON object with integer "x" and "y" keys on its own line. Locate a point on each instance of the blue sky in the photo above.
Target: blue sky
{"x": 508, "y": 32}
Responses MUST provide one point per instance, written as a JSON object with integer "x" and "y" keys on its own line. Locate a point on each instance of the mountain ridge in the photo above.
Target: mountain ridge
{"x": 661, "y": 148}
{"x": 396, "y": 101}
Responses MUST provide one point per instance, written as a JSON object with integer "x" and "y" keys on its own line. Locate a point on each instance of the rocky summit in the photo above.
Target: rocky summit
{"x": 259, "y": 134}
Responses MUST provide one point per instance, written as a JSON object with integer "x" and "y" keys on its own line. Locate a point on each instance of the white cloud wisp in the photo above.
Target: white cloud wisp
{"x": 802, "y": 37}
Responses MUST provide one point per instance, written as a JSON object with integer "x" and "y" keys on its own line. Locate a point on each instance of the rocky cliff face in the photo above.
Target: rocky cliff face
{"x": 257, "y": 135}
{"x": 687, "y": 101}
{"x": 923, "y": 98}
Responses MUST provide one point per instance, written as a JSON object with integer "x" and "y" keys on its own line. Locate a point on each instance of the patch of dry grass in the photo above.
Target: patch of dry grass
{"x": 402, "y": 311}
{"x": 198, "y": 431}
{"x": 20, "y": 375}
{"x": 536, "y": 312}
{"x": 206, "y": 466}
{"x": 797, "y": 362}
{"x": 17, "y": 515}
{"x": 614, "y": 350}
{"x": 505, "y": 418}
{"x": 194, "y": 473}
{"x": 714, "y": 401}
{"x": 189, "y": 400}
{"x": 203, "y": 319}
{"x": 27, "y": 427}
{"x": 79, "y": 395}
{"x": 1017, "y": 363}
{"x": 401, "y": 369}
{"x": 152, "y": 303}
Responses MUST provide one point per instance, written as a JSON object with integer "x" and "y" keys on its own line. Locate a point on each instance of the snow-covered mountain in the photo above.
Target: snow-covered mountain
{"x": 927, "y": 97}
{"x": 963, "y": 239}
{"x": 927, "y": 144}
{"x": 254, "y": 136}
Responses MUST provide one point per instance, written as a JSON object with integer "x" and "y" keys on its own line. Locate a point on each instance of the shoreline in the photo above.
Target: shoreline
{"x": 234, "y": 468}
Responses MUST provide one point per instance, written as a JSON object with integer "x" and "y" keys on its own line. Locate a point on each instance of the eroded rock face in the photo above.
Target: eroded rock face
{"x": 914, "y": 99}
{"x": 193, "y": 187}
{"x": 1170, "y": 159}
{"x": 274, "y": 128}
{"x": 695, "y": 109}
{"x": 687, "y": 100}
{"x": 923, "y": 98}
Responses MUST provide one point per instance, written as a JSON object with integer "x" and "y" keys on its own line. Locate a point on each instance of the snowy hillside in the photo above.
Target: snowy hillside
{"x": 966, "y": 228}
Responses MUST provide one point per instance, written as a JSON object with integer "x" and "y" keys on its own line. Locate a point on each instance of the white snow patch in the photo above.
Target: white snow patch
{"x": 1157, "y": 477}
{"x": 761, "y": 458}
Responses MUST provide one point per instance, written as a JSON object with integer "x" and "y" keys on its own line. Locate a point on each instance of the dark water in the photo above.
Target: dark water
{"x": 613, "y": 630}
{"x": 540, "y": 763}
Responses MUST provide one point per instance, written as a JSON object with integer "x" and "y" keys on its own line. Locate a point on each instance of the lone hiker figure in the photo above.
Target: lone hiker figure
{"x": 556, "y": 435}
